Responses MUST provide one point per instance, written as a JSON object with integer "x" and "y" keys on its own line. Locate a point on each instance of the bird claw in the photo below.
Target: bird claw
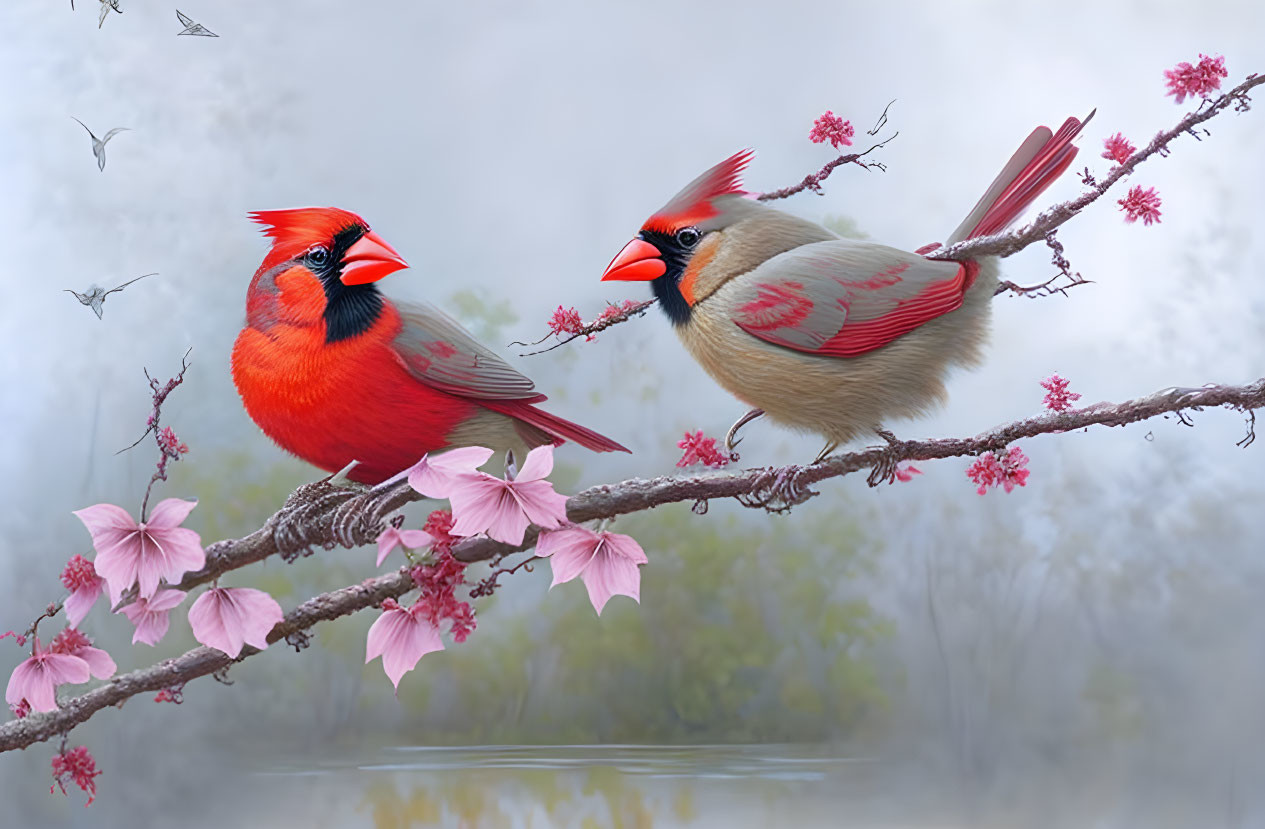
{"x": 884, "y": 469}
{"x": 778, "y": 490}
{"x": 825, "y": 453}
{"x": 731, "y": 437}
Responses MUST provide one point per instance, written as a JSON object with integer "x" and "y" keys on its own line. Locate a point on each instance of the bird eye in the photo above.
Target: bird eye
{"x": 687, "y": 237}
{"x": 318, "y": 255}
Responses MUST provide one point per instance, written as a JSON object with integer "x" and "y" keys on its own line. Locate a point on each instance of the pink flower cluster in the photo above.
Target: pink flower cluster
{"x": 699, "y": 449}
{"x": 566, "y": 321}
{"x": 1141, "y": 204}
{"x": 614, "y": 311}
{"x": 502, "y": 509}
{"x": 1057, "y": 397}
{"x": 81, "y": 579}
{"x": 1200, "y": 80}
{"x": 78, "y": 767}
{"x": 70, "y": 659}
{"x": 1118, "y": 149}
{"x": 832, "y": 128}
{"x": 439, "y": 582}
{"x": 170, "y": 444}
{"x": 1006, "y": 471}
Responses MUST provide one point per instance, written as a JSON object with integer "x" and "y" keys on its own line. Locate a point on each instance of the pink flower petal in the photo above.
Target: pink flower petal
{"x": 182, "y": 551}
{"x": 225, "y": 618}
{"x": 401, "y": 638}
{"x": 477, "y": 501}
{"x": 569, "y": 550}
{"x": 434, "y": 475}
{"x": 611, "y": 573}
{"x": 170, "y": 512}
{"x": 108, "y": 525}
{"x": 80, "y": 601}
{"x": 150, "y": 616}
{"x": 538, "y": 465}
{"x": 392, "y": 538}
{"x": 626, "y": 546}
{"x": 99, "y": 662}
{"x": 543, "y": 506}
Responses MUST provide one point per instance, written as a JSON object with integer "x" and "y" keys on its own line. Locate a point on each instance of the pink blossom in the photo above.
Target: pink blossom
{"x": 439, "y": 582}
{"x": 832, "y": 128}
{"x": 407, "y": 539}
{"x": 128, "y": 553}
{"x": 699, "y": 449}
{"x": 73, "y": 643}
{"x": 174, "y": 695}
{"x": 613, "y": 312}
{"x": 169, "y": 443}
{"x": 1141, "y": 204}
{"x": 1202, "y": 79}
{"x": 37, "y": 677}
{"x": 505, "y": 508}
{"x": 81, "y": 579}
{"x": 566, "y": 321}
{"x": 225, "y": 618}
{"x": 1058, "y": 398}
{"x": 21, "y": 710}
{"x": 1007, "y": 472}
{"x": 606, "y": 562}
{"x": 434, "y": 475}
{"x": 149, "y": 616}
{"x": 76, "y": 766}
{"x": 905, "y": 472}
{"x": 1118, "y": 149}
{"x": 401, "y": 637}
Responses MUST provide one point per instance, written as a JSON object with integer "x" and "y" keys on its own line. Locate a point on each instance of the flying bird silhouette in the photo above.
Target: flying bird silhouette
{"x": 191, "y": 28}
{"x": 95, "y": 297}
{"x": 106, "y": 5}
{"x": 98, "y": 145}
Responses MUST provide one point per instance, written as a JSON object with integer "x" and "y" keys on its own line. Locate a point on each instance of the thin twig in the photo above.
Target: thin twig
{"x": 814, "y": 180}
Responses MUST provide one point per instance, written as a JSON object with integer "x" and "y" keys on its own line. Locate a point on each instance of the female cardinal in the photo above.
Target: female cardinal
{"x": 823, "y": 334}
{"x": 333, "y": 371}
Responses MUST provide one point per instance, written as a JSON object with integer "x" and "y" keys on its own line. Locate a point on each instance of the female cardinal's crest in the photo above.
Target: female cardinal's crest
{"x": 693, "y": 205}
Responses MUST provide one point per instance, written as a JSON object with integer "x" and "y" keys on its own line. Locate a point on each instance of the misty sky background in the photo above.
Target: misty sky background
{"x": 509, "y": 150}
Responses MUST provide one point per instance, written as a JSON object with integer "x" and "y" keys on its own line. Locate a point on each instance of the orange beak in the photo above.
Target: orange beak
{"x": 639, "y": 261}
{"x": 370, "y": 259}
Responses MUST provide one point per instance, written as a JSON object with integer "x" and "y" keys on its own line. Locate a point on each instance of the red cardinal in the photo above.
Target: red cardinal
{"x": 826, "y": 335}
{"x": 333, "y": 371}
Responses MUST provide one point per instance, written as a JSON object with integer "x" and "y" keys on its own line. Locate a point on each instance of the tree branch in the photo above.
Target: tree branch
{"x": 777, "y": 489}
{"x": 200, "y": 661}
{"x": 323, "y": 514}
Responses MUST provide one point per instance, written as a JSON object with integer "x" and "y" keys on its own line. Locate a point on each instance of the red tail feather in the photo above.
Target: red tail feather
{"x": 561, "y": 429}
{"x": 1050, "y": 162}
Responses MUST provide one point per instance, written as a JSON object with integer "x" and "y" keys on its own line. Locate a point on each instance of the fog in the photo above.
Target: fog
{"x": 1089, "y": 649}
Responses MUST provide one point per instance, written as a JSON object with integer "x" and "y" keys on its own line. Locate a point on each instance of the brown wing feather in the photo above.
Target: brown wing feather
{"x": 440, "y": 353}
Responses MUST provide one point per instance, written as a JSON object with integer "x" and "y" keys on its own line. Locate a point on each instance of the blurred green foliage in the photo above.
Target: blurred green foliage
{"x": 743, "y": 634}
